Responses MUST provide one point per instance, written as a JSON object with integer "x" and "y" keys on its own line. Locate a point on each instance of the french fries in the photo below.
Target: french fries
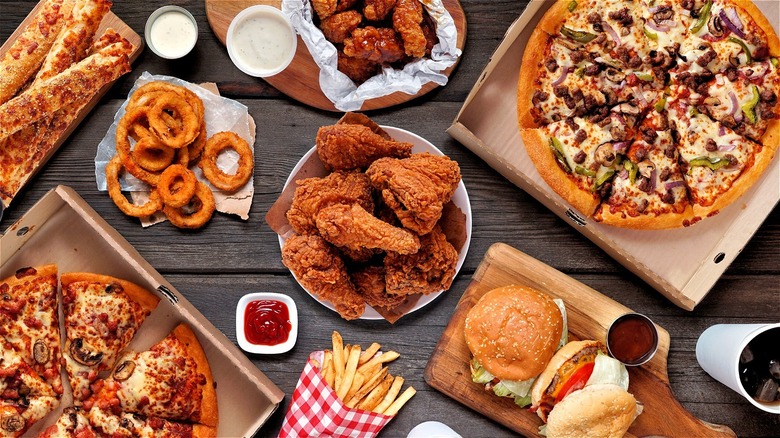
{"x": 360, "y": 378}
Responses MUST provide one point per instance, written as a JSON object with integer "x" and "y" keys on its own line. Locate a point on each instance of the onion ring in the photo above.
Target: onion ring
{"x": 246, "y": 163}
{"x": 183, "y": 111}
{"x": 196, "y": 147}
{"x": 115, "y": 191}
{"x": 151, "y": 155}
{"x": 145, "y": 94}
{"x": 177, "y": 186}
{"x": 136, "y": 115}
{"x": 202, "y": 206}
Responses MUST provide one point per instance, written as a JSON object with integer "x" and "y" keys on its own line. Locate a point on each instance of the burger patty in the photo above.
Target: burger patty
{"x": 574, "y": 361}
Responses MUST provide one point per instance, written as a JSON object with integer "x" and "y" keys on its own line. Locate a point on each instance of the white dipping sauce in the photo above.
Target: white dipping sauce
{"x": 173, "y": 34}
{"x": 263, "y": 42}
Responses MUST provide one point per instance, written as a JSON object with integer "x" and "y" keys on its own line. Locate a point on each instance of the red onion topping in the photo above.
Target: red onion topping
{"x": 731, "y": 20}
{"x": 611, "y": 32}
{"x": 722, "y": 131}
{"x": 674, "y": 184}
{"x": 726, "y": 147}
{"x": 759, "y": 71}
{"x": 563, "y": 76}
{"x": 640, "y": 96}
{"x": 653, "y": 179}
{"x": 620, "y": 146}
{"x": 734, "y": 103}
{"x": 656, "y": 27}
{"x": 623, "y": 174}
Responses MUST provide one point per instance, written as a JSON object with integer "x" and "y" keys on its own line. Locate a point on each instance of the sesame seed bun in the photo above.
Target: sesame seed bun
{"x": 602, "y": 410}
{"x": 513, "y": 331}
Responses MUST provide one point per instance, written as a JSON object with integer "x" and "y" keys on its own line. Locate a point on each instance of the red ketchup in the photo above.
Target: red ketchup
{"x": 632, "y": 339}
{"x": 267, "y": 322}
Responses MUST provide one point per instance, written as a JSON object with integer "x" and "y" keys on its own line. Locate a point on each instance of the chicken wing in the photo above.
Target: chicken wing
{"x": 345, "y": 4}
{"x": 339, "y": 26}
{"x": 313, "y": 194}
{"x": 407, "y": 20}
{"x": 346, "y": 146}
{"x": 353, "y": 227}
{"x": 324, "y": 8}
{"x": 429, "y": 270}
{"x": 370, "y": 284}
{"x": 357, "y": 69}
{"x": 319, "y": 269}
{"x": 381, "y": 45}
{"x": 377, "y": 10}
{"x": 416, "y": 188}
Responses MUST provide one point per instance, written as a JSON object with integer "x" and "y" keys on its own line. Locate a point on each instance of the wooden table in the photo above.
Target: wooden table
{"x": 215, "y": 266}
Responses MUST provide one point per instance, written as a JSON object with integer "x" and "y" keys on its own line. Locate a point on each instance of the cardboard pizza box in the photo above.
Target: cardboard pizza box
{"x": 62, "y": 228}
{"x": 683, "y": 264}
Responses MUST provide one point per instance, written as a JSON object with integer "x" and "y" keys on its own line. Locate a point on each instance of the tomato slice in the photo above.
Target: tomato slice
{"x": 576, "y": 381}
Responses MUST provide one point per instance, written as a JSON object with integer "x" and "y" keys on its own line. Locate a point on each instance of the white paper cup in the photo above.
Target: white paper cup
{"x": 432, "y": 429}
{"x": 718, "y": 350}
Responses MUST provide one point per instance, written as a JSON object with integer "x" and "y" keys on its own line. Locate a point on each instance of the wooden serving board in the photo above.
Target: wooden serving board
{"x": 301, "y": 80}
{"x": 109, "y": 21}
{"x": 589, "y": 315}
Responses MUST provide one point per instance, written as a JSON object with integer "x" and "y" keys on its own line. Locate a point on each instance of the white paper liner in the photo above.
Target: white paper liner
{"x": 221, "y": 114}
{"x": 342, "y": 91}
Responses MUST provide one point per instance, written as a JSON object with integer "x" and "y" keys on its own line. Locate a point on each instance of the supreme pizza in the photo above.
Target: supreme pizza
{"x": 651, "y": 114}
{"x": 166, "y": 391}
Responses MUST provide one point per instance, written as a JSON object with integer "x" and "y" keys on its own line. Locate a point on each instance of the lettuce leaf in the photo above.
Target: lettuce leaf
{"x": 608, "y": 370}
{"x": 565, "y": 334}
{"x": 479, "y": 374}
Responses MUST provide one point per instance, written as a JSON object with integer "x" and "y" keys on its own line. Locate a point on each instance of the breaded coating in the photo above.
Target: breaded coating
{"x": 313, "y": 194}
{"x": 320, "y": 269}
{"x": 377, "y": 10}
{"x": 382, "y": 45}
{"x": 370, "y": 284}
{"x": 346, "y": 147}
{"x": 407, "y": 20}
{"x": 429, "y": 270}
{"x": 324, "y": 8}
{"x": 357, "y": 69}
{"x": 353, "y": 227}
{"x": 339, "y": 26}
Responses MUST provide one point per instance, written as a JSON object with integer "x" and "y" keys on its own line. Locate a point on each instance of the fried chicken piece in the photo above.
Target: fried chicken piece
{"x": 345, "y": 147}
{"x": 320, "y": 269}
{"x": 407, "y": 20}
{"x": 377, "y": 10}
{"x": 429, "y": 270}
{"x": 345, "y": 4}
{"x": 416, "y": 188}
{"x": 324, "y": 8}
{"x": 370, "y": 284}
{"x": 429, "y": 29}
{"x": 357, "y": 69}
{"x": 382, "y": 45}
{"x": 339, "y": 26}
{"x": 353, "y": 227}
{"x": 313, "y": 194}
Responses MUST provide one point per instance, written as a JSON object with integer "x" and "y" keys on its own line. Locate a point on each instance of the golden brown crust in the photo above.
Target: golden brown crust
{"x": 536, "y": 144}
{"x": 202, "y": 431}
{"x": 553, "y": 19}
{"x": 643, "y": 221}
{"x": 40, "y": 271}
{"x": 771, "y": 138}
{"x": 209, "y": 414}
{"x": 526, "y": 83}
{"x": 763, "y": 23}
{"x": 146, "y": 299}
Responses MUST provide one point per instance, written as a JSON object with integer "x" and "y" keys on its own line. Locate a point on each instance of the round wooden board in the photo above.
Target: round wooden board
{"x": 300, "y": 80}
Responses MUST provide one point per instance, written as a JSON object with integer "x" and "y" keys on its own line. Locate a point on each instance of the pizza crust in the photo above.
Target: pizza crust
{"x": 201, "y": 431}
{"x": 526, "y": 84}
{"x": 209, "y": 414}
{"x": 771, "y": 138}
{"x": 763, "y": 23}
{"x": 554, "y": 18}
{"x": 40, "y": 271}
{"x": 142, "y": 296}
{"x": 644, "y": 221}
{"x": 536, "y": 144}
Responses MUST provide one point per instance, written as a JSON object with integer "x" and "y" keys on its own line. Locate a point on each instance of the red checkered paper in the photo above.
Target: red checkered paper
{"x": 315, "y": 410}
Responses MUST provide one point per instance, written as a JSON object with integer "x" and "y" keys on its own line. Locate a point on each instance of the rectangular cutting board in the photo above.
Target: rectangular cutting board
{"x": 589, "y": 315}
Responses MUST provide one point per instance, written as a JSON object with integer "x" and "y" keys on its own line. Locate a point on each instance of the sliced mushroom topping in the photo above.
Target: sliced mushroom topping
{"x": 628, "y": 109}
{"x": 23, "y": 390}
{"x": 715, "y": 26}
{"x": 83, "y": 355}
{"x": 73, "y": 418}
{"x": 113, "y": 288}
{"x": 663, "y": 13}
{"x": 712, "y": 101}
{"x": 12, "y": 423}
{"x": 124, "y": 370}
{"x": 646, "y": 168}
{"x": 605, "y": 154}
{"x": 40, "y": 351}
{"x": 615, "y": 75}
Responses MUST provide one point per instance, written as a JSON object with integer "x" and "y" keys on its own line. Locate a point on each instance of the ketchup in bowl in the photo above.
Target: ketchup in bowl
{"x": 267, "y": 322}
{"x": 632, "y": 339}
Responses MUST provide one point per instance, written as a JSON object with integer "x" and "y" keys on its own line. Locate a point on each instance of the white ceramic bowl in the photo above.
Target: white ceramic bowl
{"x": 148, "y": 36}
{"x": 264, "y": 38}
{"x": 266, "y": 349}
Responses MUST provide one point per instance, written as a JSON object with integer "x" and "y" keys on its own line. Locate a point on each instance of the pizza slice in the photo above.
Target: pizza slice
{"x": 134, "y": 425}
{"x": 649, "y": 191}
{"x": 29, "y": 320}
{"x": 172, "y": 381}
{"x": 72, "y": 423}
{"x": 25, "y": 397}
{"x": 102, "y": 314}
{"x": 718, "y": 164}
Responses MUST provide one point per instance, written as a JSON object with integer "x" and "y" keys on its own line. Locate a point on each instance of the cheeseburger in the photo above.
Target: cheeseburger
{"x": 512, "y": 333}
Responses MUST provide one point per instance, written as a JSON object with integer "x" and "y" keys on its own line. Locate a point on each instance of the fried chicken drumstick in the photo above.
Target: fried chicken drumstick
{"x": 345, "y": 146}
{"x": 353, "y": 227}
{"x": 313, "y": 194}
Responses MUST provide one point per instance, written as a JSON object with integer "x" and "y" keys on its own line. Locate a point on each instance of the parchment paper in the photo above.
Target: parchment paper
{"x": 342, "y": 91}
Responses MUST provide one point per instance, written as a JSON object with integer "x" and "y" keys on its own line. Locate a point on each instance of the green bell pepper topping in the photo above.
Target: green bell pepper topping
{"x": 583, "y": 171}
{"x": 557, "y": 149}
{"x": 602, "y": 179}
{"x": 713, "y": 163}
{"x": 693, "y": 112}
{"x": 576, "y": 35}
{"x": 661, "y": 104}
{"x": 775, "y": 62}
{"x": 572, "y": 6}
{"x": 580, "y": 72}
{"x": 749, "y": 109}
{"x": 647, "y": 77}
{"x": 704, "y": 17}
{"x": 632, "y": 170}
{"x": 650, "y": 34}
{"x": 744, "y": 46}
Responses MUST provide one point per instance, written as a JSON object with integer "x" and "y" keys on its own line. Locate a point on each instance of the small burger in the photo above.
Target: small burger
{"x": 583, "y": 392}
{"x": 512, "y": 333}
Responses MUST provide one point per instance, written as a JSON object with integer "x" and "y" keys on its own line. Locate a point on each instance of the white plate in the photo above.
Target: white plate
{"x": 460, "y": 198}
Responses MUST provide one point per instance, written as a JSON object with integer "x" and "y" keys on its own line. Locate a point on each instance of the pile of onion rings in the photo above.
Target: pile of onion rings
{"x": 162, "y": 134}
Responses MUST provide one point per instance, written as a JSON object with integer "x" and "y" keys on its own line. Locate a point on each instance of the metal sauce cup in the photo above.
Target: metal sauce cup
{"x": 632, "y": 339}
